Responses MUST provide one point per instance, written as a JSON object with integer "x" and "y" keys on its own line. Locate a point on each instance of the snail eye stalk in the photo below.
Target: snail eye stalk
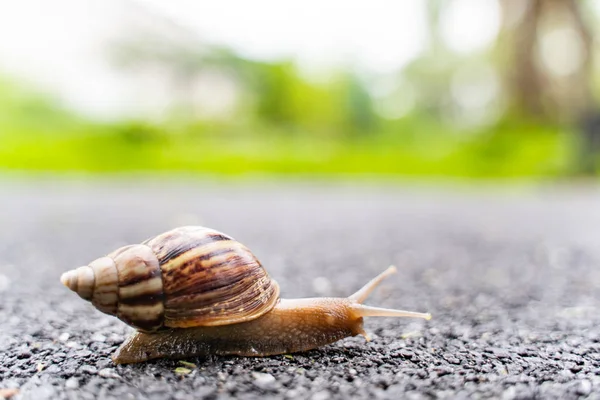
{"x": 367, "y": 311}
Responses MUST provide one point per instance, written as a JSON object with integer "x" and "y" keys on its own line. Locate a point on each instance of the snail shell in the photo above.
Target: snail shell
{"x": 186, "y": 277}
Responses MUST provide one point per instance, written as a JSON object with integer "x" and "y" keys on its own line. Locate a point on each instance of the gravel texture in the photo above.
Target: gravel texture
{"x": 511, "y": 278}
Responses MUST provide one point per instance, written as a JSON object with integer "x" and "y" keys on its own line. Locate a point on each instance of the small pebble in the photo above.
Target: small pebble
{"x": 584, "y": 388}
{"x": 451, "y": 359}
{"x": 72, "y": 383}
{"x": 441, "y": 371}
{"x": 500, "y": 353}
{"x": 575, "y": 368}
{"x": 53, "y": 369}
{"x": 88, "y": 369}
{"x": 114, "y": 339}
{"x": 83, "y": 353}
{"x": 108, "y": 373}
{"x": 98, "y": 337}
{"x": 24, "y": 353}
{"x": 292, "y": 394}
{"x": 64, "y": 337}
{"x": 322, "y": 395}
{"x": 264, "y": 381}
{"x": 509, "y": 394}
{"x": 103, "y": 363}
{"x": 406, "y": 353}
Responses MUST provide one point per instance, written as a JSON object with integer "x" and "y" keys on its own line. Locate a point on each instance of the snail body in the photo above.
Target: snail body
{"x": 195, "y": 291}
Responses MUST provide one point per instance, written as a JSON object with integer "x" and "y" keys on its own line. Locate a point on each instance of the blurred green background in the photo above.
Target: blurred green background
{"x": 495, "y": 89}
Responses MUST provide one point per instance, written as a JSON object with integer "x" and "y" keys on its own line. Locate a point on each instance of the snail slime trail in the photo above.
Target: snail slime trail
{"x": 193, "y": 291}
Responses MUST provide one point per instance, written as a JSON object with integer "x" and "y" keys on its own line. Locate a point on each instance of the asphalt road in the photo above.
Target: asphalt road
{"x": 512, "y": 280}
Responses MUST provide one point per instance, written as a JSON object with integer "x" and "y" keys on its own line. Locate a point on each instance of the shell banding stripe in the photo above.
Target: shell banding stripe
{"x": 141, "y": 293}
{"x": 210, "y": 279}
{"x": 85, "y": 282}
{"x": 140, "y": 289}
{"x": 197, "y": 270}
{"x": 106, "y": 285}
{"x": 203, "y": 292}
{"x": 214, "y": 314}
{"x": 171, "y": 245}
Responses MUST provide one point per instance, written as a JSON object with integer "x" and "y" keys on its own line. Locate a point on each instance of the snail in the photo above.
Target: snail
{"x": 194, "y": 291}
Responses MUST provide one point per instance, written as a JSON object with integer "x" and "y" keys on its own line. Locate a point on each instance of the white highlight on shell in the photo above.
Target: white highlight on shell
{"x": 69, "y": 279}
{"x": 80, "y": 280}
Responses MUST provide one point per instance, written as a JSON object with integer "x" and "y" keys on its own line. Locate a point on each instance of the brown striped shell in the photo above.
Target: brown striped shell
{"x": 189, "y": 276}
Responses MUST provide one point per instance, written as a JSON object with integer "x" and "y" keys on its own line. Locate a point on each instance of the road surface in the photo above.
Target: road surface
{"x": 512, "y": 278}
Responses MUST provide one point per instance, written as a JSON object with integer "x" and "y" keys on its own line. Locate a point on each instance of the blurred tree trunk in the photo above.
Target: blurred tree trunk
{"x": 535, "y": 89}
{"x": 527, "y": 79}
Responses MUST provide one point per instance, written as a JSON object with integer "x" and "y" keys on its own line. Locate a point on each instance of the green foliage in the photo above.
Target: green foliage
{"x": 339, "y": 108}
{"x": 25, "y": 111}
{"x": 300, "y": 128}
{"x": 137, "y": 147}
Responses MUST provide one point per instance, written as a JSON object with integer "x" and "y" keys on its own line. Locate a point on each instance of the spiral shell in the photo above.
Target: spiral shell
{"x": 189, "y": 276}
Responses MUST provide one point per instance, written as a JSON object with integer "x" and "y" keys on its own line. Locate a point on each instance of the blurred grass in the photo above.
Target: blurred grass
{"x": 505, "y": 151}
{"x": 38, "y": 136}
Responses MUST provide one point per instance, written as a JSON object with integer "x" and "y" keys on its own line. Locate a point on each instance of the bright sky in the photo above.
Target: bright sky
{"x": 376, "y": 34}
{"x": 60, "y": 45}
